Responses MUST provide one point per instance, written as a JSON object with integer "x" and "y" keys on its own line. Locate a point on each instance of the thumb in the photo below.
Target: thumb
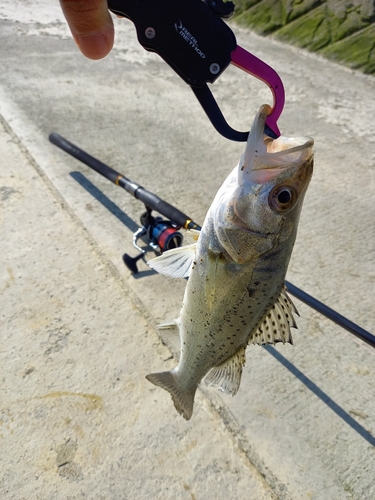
{"x": 91, "y": 26}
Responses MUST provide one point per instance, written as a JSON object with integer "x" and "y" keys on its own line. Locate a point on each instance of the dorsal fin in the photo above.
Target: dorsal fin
{"x": 176, "y": 263}
{"x": 227, "y": 376}
{"x": 275, "y": 325}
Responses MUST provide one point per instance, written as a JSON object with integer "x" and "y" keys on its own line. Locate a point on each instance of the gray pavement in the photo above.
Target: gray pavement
{"x": 78, "y": 332}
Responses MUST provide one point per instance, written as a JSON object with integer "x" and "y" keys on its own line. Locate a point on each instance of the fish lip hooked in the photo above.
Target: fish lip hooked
{"x": 265, "y": 154}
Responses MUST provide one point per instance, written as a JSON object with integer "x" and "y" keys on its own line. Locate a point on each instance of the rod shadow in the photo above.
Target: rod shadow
{"x": 340, "y": 412}
{"x": 114, "y": 209}
{"x": 105, "y": 201}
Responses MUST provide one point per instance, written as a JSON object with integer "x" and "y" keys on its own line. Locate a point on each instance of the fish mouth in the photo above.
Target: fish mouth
{"x": 265, "y": 158}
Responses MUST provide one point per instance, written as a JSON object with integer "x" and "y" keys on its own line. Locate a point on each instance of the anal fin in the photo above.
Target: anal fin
{"x": 227, "y": 376}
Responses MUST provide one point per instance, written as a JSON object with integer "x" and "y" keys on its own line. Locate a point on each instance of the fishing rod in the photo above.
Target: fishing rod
{"x": 161, "y": 234}
{"x": 331, "y": 314}
{"x": 164, "y": 235}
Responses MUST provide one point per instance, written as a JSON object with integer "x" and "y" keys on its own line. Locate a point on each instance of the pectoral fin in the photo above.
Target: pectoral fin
{"x": 275, "y": 325}
{"x": 176, "y": 263}
{"x": 227, "y": 376}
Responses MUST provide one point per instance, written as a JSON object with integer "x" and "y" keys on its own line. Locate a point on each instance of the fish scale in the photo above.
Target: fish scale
{"x": 235, "y": 294}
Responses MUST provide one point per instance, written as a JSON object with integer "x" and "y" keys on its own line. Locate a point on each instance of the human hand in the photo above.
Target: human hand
{"x": 91, "y": 26}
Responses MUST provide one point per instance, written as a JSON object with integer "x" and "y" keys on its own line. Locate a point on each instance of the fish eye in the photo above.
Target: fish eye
{"x": 282, "y": 198}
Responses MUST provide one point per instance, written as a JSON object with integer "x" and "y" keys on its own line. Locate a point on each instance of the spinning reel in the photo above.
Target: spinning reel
{"x": 160, "y": 235}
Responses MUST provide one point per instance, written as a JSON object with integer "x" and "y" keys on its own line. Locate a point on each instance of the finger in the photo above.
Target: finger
{"x": 91, "y": 26}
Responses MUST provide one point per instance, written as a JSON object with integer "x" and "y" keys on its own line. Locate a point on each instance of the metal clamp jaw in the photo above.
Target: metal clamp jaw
{"x": 191, "y": 37}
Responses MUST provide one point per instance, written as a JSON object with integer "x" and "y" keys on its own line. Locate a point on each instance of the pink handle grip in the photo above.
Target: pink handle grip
{"x": 251, "y": 64}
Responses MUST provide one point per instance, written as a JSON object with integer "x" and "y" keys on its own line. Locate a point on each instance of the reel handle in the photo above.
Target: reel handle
{"x": 131, "y": 262}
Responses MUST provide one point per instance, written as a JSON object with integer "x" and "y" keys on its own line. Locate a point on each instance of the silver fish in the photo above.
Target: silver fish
{"x": 235, "y": 294}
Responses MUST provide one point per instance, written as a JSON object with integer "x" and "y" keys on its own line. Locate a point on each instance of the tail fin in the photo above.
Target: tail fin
{"x": 183, "y": 400}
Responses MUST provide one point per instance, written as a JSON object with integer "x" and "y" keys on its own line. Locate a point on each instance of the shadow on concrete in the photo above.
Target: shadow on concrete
{"x": 321, "y": 395}
{"x": 105, "y": 201}
{"x": 144, "y": 274}
{"x": 115, "y": 210}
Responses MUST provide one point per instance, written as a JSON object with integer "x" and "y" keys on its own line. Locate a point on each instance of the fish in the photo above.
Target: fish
{"x": 235, "y": 293}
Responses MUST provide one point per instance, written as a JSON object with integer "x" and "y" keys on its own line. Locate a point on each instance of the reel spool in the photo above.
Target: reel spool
{"x": 162, "y": 235}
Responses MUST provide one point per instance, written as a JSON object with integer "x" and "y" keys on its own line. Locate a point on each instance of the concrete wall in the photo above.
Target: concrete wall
{"x": 341, "y": 30}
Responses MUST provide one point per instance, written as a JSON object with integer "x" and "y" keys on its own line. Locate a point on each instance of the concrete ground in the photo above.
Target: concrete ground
{"x": 78, "y": 331}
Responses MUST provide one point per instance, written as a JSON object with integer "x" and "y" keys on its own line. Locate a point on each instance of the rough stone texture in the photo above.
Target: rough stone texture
{"x": 310, "y": 31}
{"x": 318, "y": 25}
{"x": 297, "y": 8}
{"x": 265, "y": 16}
{"x": 357, "y": 51}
